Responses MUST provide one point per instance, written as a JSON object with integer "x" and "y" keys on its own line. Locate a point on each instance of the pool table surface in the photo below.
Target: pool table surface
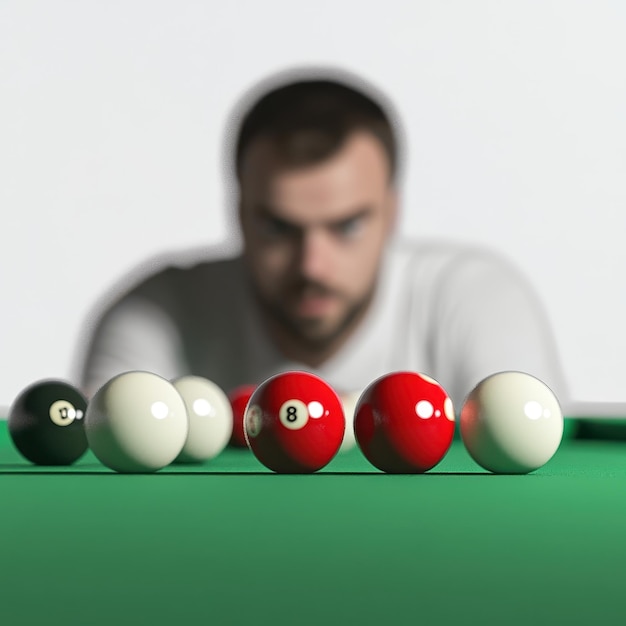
{"x": 228, "y": 542}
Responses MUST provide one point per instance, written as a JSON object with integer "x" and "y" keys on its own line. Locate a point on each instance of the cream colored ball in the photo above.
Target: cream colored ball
{"x": 349, "y": 402}
{"x": 210, "y": 419}
{"x": 136, "y": 422}
{"x": 511, "y": 423}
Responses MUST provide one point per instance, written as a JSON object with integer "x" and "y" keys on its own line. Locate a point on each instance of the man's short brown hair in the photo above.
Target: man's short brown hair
{"x": 309, "y": 120}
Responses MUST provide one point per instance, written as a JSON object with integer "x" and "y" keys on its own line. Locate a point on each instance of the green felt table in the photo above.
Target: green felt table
{"x": 229, "y": 542}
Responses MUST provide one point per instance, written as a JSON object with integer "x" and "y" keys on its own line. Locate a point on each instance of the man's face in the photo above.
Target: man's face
{"x": 314, "y": 235}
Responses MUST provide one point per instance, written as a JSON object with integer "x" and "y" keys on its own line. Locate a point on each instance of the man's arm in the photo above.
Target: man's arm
{"x": 135, "y": 334}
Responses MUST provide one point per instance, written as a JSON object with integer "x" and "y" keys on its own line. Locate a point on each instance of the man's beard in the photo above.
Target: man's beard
{"x": 311, "y": 332}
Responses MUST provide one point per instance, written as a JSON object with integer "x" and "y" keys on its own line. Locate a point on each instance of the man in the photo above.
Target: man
{"x": 321, "y": 282}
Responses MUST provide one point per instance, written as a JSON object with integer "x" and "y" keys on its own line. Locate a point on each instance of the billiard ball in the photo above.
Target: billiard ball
{"x": 349, "y": 402}
{"x": 46, "y": 423}
{"x": 294, "y": 423}
{"x": 136, "y": 422}
{"x": 239, "y": 400}
{"x": 511, "y": 423}
{"x": 404, "y": 422}
{"x": 210, "y": 419}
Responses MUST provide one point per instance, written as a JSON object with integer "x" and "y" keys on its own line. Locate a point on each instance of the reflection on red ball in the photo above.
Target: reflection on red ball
{"x": 404, "y": 423}
{"x": 294, "y": 423}
{"x": 238, "y": 401}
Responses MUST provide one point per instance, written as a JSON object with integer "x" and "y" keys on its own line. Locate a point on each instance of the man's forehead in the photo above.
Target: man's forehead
{"x": 357, "y": 174}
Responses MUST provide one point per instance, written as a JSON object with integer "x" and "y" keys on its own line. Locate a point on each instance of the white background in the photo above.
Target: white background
{"x": 112, "y": 132}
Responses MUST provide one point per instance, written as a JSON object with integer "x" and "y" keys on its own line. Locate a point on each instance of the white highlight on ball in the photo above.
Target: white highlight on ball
{"x": 448, "y": 409}
{"x": 316, "y": 409}
{"x": 424, "y": 409}
{"x": 202, "y": 407}
{"x": 533, "y": 410}
{"x": 428, "y": 379}
{"x": 159, "y": 410}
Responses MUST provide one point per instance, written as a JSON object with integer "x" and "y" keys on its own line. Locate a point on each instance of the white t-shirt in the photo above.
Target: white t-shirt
{"x": 453, "y": 312}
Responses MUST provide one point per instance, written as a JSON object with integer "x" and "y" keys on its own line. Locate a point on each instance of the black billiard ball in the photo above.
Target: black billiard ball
{"x": 46, "y": 423}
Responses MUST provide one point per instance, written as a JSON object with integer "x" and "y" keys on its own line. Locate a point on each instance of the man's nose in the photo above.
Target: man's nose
{"x": 315, "y": 255}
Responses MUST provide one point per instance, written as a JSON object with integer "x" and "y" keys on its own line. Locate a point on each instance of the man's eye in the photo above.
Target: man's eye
{"x": 276, "y": 228}
{"x": 349, "y": 228}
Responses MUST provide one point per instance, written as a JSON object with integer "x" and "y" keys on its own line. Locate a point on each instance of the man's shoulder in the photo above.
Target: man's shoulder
{"x": 438, "y": 256}
{"x": 444, "y": 271}
{"x": 211, "y": 273}
{"x": 184, "y": 269}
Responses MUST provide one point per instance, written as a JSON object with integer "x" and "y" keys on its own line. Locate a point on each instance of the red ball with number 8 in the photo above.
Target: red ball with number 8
{"x": 294, "y": 423}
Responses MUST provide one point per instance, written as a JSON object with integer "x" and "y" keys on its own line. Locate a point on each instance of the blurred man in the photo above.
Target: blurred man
{"x": 321, "y": 282}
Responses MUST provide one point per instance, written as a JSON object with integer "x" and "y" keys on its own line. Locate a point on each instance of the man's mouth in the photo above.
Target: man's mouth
{"x": 311, "y": 300}
{"x": 314, "y": 305}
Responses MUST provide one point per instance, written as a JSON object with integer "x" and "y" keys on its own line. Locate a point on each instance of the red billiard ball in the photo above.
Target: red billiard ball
{"x": 238, "y": 401}
{"x": 404, "y": 423}
{"x": 294, "y": 423}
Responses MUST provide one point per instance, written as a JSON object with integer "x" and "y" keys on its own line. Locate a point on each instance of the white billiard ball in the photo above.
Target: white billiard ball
{"x": 349, "y": 401}
{"x": 210, "y": 419}
{"x": 511, "y": 423}
{"x": 136, "y": 422}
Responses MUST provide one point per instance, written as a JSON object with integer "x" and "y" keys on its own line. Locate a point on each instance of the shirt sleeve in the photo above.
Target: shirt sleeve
{"x": 489, "y": 319}
{"x": 135, "y": 334}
